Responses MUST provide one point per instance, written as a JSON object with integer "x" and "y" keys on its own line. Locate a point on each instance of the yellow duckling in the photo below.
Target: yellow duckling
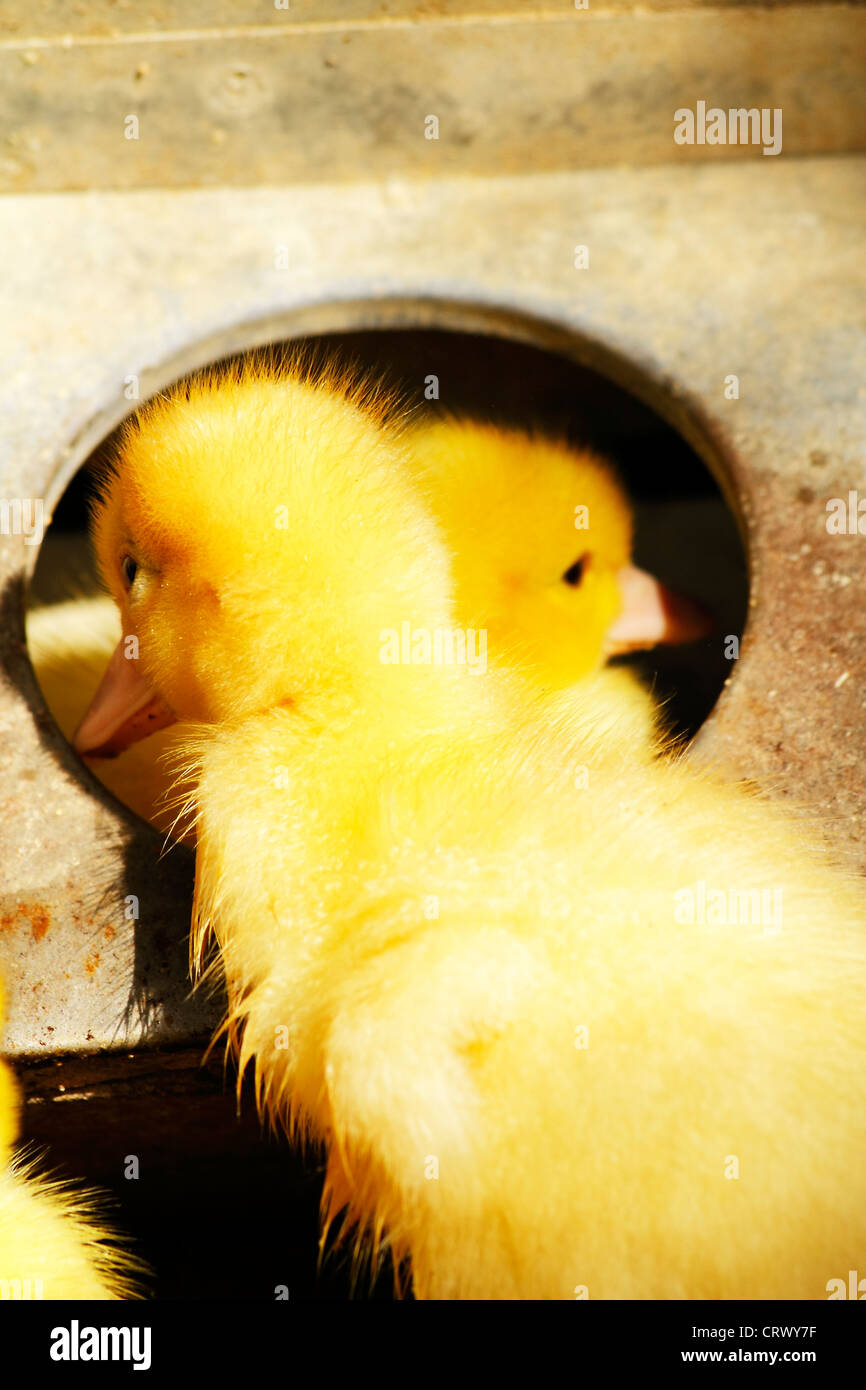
{"x": 54, "y": 1242}
{"x": 541, "y": 535}
{"x": 556, "y": 1038}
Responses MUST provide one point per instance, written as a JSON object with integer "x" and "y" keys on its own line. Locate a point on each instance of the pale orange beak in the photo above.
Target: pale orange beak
{"x": 652, "y": 615}
{"x": 124, "y": 710}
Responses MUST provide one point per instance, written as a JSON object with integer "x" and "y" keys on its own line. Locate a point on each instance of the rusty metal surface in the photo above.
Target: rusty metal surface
{"x": 695, "y": 274}
{"x": 246, "y": 94}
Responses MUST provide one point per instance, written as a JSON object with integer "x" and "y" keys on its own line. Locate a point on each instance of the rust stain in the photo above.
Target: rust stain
{"x": 39, "y": 922}
{"x": 92, "y": 962}
{"x": 110, "y": 932}
{"x": 25, "y": 912}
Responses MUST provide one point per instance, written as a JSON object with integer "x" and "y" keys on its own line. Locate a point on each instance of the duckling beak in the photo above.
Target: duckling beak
{"x": 652, "y": 614}
{"x": 124, "y": 710}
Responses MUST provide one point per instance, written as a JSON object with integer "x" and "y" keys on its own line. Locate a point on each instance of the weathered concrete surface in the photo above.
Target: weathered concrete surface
{"x": 753, "y": 269}
{"x": 245, "y": 94}
{"x": 99, "y": 19}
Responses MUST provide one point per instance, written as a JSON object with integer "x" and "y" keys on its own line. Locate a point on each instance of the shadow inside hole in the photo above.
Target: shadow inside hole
{"x": 685, "y": 533}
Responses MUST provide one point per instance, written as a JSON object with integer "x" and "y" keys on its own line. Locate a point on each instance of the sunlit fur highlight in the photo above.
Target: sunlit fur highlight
{"x": 338, "y": 797}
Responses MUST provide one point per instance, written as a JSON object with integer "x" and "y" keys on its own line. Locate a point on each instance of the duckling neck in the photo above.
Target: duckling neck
{"x": 406, "y": 704}
{"x": 293, "y": 803}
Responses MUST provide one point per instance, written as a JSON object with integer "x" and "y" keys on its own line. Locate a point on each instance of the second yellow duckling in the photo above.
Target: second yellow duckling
{"x": 541, "y": 534}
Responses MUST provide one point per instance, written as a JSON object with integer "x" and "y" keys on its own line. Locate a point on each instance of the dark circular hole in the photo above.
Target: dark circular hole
{"x": 685, "y": 532}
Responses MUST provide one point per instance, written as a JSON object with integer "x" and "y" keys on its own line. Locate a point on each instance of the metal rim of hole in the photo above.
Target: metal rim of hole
{"x": 663, "y": 397}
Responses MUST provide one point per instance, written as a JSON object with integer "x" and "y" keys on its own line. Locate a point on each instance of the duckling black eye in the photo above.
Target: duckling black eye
{"x": 574, "y": 574}
{"x": 129, "y": 569}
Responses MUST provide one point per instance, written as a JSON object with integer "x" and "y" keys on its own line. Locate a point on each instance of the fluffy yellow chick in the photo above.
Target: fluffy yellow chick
{"x": 541, "y": 534}
{"x": 559, "y": 1034}
{"x": 54, "y": 1242}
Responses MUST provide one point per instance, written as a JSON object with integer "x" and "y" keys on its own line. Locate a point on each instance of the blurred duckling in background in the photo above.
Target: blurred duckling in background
{"x": 54, "y": 1242}
{"x": 541, "y": 533}
{"x": 540, "y": 1066}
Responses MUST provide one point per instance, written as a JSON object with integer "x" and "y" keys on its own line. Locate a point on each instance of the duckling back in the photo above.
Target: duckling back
{"x": 555, "y": 1038}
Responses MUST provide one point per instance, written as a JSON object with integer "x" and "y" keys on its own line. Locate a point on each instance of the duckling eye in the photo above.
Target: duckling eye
{"x": 574, "y": 574}
{"x": 129, "y": 569}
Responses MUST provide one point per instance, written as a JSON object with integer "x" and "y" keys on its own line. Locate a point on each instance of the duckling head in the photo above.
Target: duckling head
{"x": 258, "y": 534}
{"x": 542, "y": 536}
